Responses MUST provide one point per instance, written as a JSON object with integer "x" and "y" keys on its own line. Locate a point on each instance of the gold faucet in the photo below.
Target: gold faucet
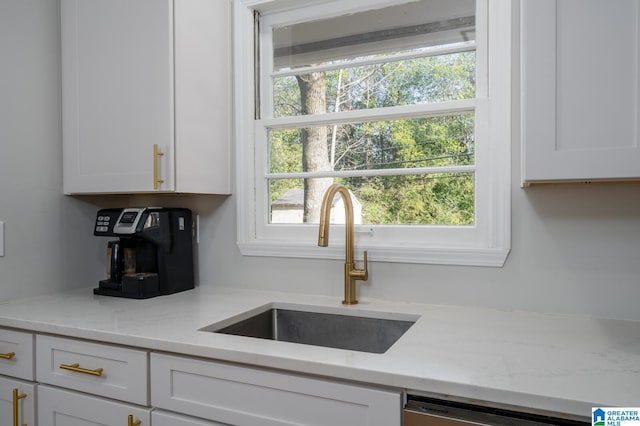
{"x": 351, "y": 273}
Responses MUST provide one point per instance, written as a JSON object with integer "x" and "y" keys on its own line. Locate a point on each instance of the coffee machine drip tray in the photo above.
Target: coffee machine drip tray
{"x": 133, "y": 286}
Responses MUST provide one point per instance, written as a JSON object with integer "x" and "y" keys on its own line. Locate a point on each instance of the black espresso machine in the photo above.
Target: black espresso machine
{"x": 153, "y": 254}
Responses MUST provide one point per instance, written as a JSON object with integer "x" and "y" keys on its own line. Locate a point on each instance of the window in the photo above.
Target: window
{"x": 400, "y": 101}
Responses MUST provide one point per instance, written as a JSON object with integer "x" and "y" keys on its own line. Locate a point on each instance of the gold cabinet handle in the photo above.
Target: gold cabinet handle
{"x": 132, "y": 423}
{"x": 16, "y": 398}
{"x": 8, "y": 355}
{"x": 76, "y": 367}
{"x": 156, "y": 166}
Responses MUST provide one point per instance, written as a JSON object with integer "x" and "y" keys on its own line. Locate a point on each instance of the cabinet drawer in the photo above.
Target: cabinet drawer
{"x": 76, "y": 365}
{"x": 16, "y": 354}
{"x": 59, "y": 407}
{"x": 25, "y": 394}
{"x": 255, "y": 397}
{"x": 162, "y": 418}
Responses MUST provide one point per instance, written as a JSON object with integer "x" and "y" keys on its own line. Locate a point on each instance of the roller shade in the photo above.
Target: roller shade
{"x": 413, "y": 25}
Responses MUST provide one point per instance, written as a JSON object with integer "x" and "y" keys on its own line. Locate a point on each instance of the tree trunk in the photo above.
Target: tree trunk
{"x": 315, "y": 154}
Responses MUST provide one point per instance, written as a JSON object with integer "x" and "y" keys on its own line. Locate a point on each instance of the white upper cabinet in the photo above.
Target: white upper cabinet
{"x": 580, "y": 90}
{"x": 145, "y": 73}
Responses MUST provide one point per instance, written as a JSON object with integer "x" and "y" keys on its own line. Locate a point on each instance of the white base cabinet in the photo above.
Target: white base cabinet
{"x": 111, "y": 378}
{"x": 16, "y": 354}
{"x": 60, "y": 407}
{"x": 83, "y": 383}
{"x": 16, "y": 361}
{"x": 24, "y": 393}
{"x": 580, "y": 91}
{"x": 105, "y": 370}
{"x": 254, "y": 397}
{"x": 163, "y": 418}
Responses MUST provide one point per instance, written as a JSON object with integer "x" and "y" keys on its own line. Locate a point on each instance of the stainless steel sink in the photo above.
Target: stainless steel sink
{"x": 375, "y": 333}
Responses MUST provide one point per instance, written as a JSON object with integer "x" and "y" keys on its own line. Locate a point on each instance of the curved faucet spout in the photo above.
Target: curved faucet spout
{"x": 351, "y": 273}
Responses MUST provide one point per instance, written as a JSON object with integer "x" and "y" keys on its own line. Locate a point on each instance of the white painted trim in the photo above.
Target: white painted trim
{"x": 244, "y": 116}
{"x": 487, "y": 245}
{"x": 499, "y": 65}
{"x": 364, "y": 115}
{"x": 374, "y": 172}
{"x": 489, "y": 257}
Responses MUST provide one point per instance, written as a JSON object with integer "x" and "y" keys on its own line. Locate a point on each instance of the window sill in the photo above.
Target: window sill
{"x": 461, "y": 256}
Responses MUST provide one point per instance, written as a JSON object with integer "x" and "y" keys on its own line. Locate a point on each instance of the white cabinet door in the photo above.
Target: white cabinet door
{"x": 58, "y": 407}
{"x": 118, "y": 97}
{"x": 106, "y": 370}
{"x": 580, "y": 90}
{"x": 202, "y": 31}
{"x": 25, "y": 394}
{"x": 162, "y": 418}
{"x": 142, "y": 73}
{"x": 255, "y": 397}
{"x": 16, "y": 354}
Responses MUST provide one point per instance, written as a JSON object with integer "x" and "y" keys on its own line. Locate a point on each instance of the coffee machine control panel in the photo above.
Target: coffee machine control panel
{"x": 106, "y": 221}
{"x": 113, "y": 222}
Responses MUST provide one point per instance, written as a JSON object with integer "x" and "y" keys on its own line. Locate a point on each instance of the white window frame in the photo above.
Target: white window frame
{"x": 486, "y": 243}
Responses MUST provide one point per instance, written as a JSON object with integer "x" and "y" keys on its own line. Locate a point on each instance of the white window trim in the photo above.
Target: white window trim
{"x": 490, "y": 244}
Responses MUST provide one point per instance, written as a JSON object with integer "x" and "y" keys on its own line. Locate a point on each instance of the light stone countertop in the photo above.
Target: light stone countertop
{"x": 540, "y": 362}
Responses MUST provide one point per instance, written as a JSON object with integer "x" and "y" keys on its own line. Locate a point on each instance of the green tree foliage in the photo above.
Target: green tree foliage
{"x": 285, "y": 151}
{"x": 408, "y": 143}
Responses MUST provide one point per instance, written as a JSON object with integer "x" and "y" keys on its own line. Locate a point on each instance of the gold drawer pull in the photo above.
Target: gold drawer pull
{"x": 16, "y": 398}
{"x": 76, "y": 367}
{"x": 132, "y": 423}
{"x": 8, "y": 355}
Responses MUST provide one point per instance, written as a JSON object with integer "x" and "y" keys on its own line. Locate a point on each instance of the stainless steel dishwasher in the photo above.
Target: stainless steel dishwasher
{"x": 422, "y": 411}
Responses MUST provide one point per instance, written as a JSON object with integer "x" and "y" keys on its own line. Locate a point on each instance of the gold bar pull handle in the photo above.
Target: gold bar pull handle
{"x": 8, "y": 355}
{"x": 132, "y": 423}
{"x": 76, "y": 367}
{"x": 156, "y": 166}
{"x": 16, "y": 398}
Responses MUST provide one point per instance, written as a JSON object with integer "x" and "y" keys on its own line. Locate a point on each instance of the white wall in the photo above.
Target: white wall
{"x": 46, "y": 234}
{"x": 576, "y": 249}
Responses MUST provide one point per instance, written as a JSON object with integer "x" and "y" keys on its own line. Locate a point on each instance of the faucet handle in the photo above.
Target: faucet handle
{"x": 365, "y": 269}
{"x": 360, "y": 274}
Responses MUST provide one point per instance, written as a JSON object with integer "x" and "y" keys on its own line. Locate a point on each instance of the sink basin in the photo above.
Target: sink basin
{"x": 374, "y": 333}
